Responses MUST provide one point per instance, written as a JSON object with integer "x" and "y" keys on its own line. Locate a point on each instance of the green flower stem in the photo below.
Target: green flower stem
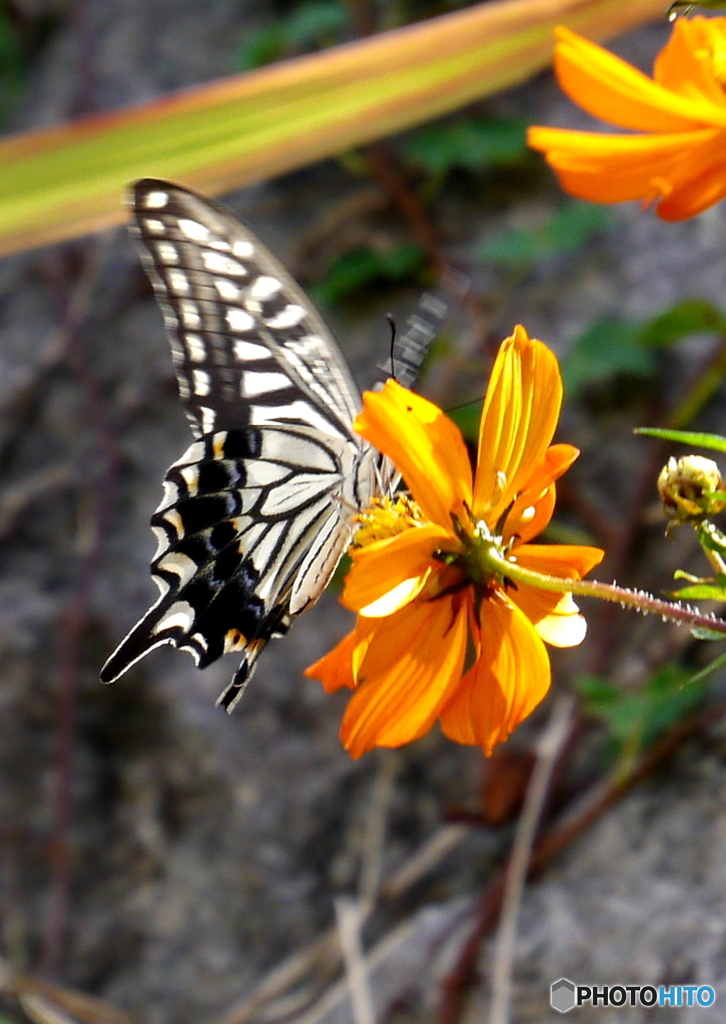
{"x": 492, "y": 562}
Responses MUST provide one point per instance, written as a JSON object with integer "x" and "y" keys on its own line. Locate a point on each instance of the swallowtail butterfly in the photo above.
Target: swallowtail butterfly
{"x": 256, "y": 514}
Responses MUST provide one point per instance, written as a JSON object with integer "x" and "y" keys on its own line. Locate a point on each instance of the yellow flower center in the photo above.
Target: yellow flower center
{"x": 386, "y": 517}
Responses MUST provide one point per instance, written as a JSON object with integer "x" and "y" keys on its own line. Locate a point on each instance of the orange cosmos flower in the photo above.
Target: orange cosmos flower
{"x": 419, "y": 584}
{"x": 680, "y": 163}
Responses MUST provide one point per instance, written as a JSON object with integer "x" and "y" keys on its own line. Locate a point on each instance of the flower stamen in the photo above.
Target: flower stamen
{"x": 386, "y": 517}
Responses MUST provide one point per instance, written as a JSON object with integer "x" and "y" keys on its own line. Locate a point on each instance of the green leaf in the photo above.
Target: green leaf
{"x": 702, "y": 592}
{"x": 624, "y": 346}
{"x": 635, "y": 718}
{"x": 12, "y": 62}
{"x": 511, "y": 249}
{"x": 686, "y": 6}
{"x": 565, "y": 231}
{"x": 691, "y": 317}
{"x": 362, "y": 267}
{"x": 690, "y": 437}
{"x": 264, "y": 46}
{"x": 317, "y": 22}
{"x": 703, "y": 633}
{"x": 712, "y": 539}
{"x": 574, "y": 224}
{"x": 467, "y": 418}
{"x": 400, "y": 262}
{"x": 471, "y": 144}
{"x": 341, "y": 571}
{"x": 607, "y": 348}
{"x": 701, "y": 676}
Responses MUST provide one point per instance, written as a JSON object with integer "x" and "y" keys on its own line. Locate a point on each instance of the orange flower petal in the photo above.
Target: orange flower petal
{"x": 335, "y": 669}
{"x": 426, "y": 447}
{"x": 520, "y": 414}
{"x": 518, "y": 523}
{"x": 507, "y": 682}
{"x": 415, "y": 658}
{"x": 685, "y": 65}
{"x": 570, "y": 561}
{"x": 606, "y": 168}
{"x": 555, "y": 616}
{"x": 612, "y": 90}
{"x": 532, "y": 510}
{"x": 703, "y": 189}
{"x": 680, "y": 164}
{"x": 340, "y": 666}
{"x": 382, "y": 566}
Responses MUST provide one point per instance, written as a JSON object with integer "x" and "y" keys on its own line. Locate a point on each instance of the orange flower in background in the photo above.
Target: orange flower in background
{"x": 423, "y": 594}
{"x": 680, "y": 163}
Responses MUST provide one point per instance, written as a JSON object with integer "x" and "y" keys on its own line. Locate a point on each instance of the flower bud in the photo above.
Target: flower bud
{"x": 691, "y": 488}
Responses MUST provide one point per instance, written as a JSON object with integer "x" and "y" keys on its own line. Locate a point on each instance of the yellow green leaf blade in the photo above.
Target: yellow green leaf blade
{"x": 66, "y": 181}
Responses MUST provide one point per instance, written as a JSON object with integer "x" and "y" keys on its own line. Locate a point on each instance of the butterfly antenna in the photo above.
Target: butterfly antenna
{"x": 343, "y": 508}
{"x": 387, "y": 476}
{"x": 392, "y": 325}
{"x": 409, "y": 349}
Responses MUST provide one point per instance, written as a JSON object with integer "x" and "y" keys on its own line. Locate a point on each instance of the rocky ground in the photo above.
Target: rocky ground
{"x": 164, "y": 857}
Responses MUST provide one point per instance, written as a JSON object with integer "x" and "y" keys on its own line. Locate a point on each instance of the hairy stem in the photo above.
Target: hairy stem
{"x": 639, "y": 600}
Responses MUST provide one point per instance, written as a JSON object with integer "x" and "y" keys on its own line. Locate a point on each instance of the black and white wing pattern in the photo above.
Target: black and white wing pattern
{"x": 256, "y": 513}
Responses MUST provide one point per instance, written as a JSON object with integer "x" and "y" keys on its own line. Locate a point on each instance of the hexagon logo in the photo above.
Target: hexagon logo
{"x": 562, "y": 995}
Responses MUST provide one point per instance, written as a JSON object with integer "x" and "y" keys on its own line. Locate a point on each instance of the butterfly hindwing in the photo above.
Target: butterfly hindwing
{"x": 236, "y": 528}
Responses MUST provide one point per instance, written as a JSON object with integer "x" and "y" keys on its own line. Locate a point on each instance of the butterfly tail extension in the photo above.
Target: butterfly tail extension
{"x": 144, "y": 638}
{"x": 278, "y": 625}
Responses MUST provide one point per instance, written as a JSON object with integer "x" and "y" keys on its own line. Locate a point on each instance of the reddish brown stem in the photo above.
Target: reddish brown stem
{"x": 95, "y": 506}
{"x": 386, "y": 170}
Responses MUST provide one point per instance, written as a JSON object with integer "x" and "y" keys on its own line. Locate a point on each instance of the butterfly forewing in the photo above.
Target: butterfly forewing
{"x": 247, "y": 344}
